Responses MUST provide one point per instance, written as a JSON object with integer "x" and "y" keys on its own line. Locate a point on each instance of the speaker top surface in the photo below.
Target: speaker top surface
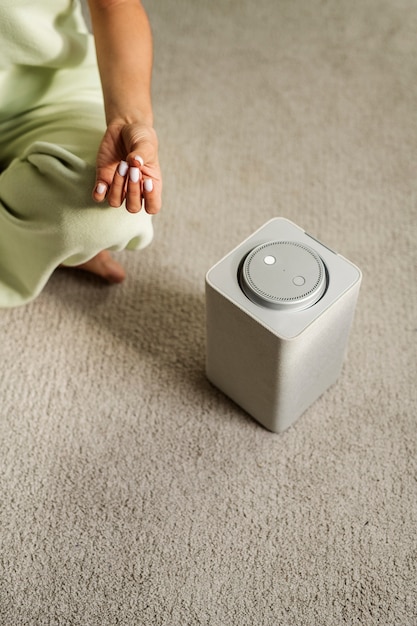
{"x": 286, "y": 306}
{"x": 283, "y": 275}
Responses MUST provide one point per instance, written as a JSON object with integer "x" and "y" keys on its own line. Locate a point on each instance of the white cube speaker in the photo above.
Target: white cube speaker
{"x": 279, "y": 308}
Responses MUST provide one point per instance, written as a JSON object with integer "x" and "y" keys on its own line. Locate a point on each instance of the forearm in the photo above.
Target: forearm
{"x": 124, "y": 54}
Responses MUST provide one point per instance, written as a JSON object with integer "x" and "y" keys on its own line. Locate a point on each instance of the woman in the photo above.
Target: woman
{"x": 74, "y": 173}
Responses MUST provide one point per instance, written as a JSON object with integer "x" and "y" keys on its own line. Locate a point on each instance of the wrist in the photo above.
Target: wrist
{"x": 130, "y": 116}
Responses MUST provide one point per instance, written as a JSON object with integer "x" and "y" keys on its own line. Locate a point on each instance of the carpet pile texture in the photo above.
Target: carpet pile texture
{"x": 132, "y": 492}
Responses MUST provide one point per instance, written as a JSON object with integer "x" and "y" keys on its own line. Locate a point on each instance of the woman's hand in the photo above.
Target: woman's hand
{"x": 128, "y": 168}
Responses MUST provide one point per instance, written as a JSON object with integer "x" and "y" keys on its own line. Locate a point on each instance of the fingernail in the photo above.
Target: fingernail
{"x": 139, "y": 159}
{"x": 134, "y": 174}
{"x": 148, "y": 184}
{"x": 101, "y": 188}
{"x": 122, "y": 169}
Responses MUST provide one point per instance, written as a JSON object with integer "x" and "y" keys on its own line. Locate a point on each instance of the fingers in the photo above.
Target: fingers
{"x": 135, "y": 183}
{"x": 143, "y": 186}
{"x": 100, "y": 191}
{"x": 150, "y": 185}
{"x": 133, "y": 190}
{"x": 152, "y": 195}
{"x": 117, "y": 189}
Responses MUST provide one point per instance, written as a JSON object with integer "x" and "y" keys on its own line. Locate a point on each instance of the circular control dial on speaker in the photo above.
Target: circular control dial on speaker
{"x": 283, "y": 275}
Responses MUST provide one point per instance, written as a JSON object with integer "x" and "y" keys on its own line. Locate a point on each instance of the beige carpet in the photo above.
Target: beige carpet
{"x": 132, "y": 492}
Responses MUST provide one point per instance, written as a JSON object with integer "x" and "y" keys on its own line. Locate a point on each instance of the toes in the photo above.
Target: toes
{"x": 105, "y": 266}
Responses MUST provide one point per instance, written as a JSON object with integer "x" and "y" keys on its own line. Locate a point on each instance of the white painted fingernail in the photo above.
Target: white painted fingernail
{"x": 134, "y": 174}
{"x": 101, "y": 188}
{"x": 148, "y": 184}
{"x": 123, "y": 167}
{"x": 139, "y": 159}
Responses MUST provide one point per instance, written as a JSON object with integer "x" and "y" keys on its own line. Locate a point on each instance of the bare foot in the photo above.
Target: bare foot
{"x": 105, "y": 266}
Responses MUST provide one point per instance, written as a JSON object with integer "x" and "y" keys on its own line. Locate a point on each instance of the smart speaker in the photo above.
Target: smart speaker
{"x": 279, "y": 308}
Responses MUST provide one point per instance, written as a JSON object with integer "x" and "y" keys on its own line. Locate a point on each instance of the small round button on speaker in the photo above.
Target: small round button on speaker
{"x": 299, "y": 281}
{"x": 283, "y": 275}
